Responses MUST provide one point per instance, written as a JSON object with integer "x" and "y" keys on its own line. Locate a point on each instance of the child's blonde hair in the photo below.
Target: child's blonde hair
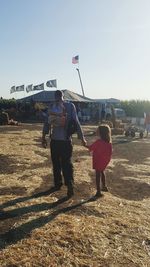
{"x": 104, "y": 132}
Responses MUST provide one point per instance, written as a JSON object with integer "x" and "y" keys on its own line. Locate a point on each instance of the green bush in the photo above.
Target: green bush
{"x": 135, "y": 108}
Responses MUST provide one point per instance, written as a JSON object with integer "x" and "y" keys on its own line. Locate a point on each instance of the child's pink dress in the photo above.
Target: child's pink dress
{"x": 102, "y": 152}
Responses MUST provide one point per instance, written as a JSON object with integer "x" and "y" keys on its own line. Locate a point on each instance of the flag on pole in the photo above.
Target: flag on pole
{"x": 51, "y": 83}
{"x": 29, "y": 88}
{"x": 38, "y": 87}
{"x": 19, "y": 88}
{"x": 75, "y": 60}
{"x": 12, "y": 89}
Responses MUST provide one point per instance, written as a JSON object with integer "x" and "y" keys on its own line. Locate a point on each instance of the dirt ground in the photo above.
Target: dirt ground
{"x": 40, "y": 229}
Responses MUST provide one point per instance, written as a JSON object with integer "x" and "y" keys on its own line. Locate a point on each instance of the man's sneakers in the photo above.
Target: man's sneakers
{"x": 70, "y": 191}
{"x": 98, "y": 194}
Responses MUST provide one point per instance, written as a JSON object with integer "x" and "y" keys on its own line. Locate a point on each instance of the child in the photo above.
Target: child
{"x": 102, "y": 151}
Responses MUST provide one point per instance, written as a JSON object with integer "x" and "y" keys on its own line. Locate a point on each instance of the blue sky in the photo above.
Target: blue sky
{"x": 111, "y": 37}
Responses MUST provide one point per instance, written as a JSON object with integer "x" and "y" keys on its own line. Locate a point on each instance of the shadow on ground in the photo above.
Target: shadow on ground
{"x": 14, "y": 235}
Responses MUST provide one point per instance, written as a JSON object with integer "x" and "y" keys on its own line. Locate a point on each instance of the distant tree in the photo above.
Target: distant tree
{"x": 135, "y": 108}
{"x": 7, "y": 103}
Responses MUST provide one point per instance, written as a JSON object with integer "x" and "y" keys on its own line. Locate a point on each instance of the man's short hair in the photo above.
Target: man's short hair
{"x": 58, "y": 94}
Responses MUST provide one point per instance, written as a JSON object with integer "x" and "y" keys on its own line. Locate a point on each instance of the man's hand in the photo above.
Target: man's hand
{"x": 84, "y": 142}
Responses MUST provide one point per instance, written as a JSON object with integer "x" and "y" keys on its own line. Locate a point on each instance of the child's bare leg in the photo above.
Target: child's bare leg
{"x": 98, "y": 174}
{"x": 103, "y": 179}
{"x": 98, "y": 181}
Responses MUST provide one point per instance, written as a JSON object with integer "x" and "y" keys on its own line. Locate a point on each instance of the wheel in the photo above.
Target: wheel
{"x": 141, "y": 134}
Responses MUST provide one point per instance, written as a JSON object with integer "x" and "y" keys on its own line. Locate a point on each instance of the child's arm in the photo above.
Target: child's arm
{"x": 92, "y": 146}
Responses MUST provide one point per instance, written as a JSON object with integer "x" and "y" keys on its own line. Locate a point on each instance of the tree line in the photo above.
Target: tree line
{"x": 133, "y": 108}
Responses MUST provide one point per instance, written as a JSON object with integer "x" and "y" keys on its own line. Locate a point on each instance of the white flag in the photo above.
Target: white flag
{"x": 12, "y": 89}
{"x": 19, "y": 88}
{"x": 29, "y": 88}
{"x": 51, "y": 83}
{"x": 39, "y": 87}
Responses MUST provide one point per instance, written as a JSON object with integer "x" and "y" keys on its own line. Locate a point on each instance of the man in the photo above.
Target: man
{"x": 61, "y": 148}
{"x": 147, "y": 123}
{"x": 103, "y": 113}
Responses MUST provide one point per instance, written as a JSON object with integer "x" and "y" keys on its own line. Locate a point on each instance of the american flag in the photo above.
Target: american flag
{"x": 75, "y": 60}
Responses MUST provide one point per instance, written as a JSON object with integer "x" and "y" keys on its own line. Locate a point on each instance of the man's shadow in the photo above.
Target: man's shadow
{"x": 23, "y": 199}
{"x": 33, "y": 208}
{"x": 14, "y": 235}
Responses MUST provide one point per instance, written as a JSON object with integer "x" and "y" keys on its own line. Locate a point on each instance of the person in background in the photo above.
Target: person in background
{"x": 108, "y": 112}
{"x": 60, "y": 114}
{"x": 103, "y": 113}
{"x": 147, "y": 123}
{"x": 80, "y": 115}
{"x": 101, "y": 152}
{"x": 97, "y": 116}
{"x": 44, "y": 114}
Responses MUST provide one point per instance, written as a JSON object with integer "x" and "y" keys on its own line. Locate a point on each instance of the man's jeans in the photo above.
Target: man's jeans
{"x": 61, "y": 153}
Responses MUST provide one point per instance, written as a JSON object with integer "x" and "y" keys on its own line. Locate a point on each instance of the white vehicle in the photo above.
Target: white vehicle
{"x": 120, "y": 113}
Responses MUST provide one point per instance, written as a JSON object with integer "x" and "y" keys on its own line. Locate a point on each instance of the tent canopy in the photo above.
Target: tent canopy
{"x": 48, "y": 96}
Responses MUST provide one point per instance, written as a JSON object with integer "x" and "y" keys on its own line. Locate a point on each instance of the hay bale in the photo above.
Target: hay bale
{"x": 125, "y": 120}
{"x": 108, "y": 123}
{"x": 122, "y": 125}
{"x": 117, "y": 123}
{"x": 117, "y": 131}
{"x": 4, "y": 118}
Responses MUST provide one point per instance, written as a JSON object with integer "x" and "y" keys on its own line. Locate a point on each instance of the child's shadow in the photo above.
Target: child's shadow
{"x": 127, "y": 188}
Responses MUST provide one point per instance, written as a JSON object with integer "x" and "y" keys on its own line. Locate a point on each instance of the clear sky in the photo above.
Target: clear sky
{"x": 38, "y": 39}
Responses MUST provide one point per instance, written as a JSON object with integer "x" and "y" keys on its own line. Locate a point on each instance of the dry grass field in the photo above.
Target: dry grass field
{"x": 39, "y": 229}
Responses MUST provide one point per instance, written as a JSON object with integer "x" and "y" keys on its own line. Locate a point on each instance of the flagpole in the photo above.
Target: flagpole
{"x": 80, "y": 81}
